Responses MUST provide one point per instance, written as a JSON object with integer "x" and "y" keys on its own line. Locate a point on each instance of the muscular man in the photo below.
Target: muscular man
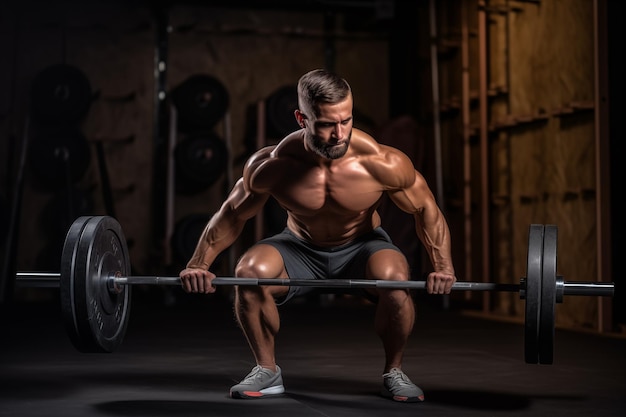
{"x": 330, "y": 179}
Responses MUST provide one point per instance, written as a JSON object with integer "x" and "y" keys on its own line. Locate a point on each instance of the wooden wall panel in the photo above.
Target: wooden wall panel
{"x": 552, "y": 67}
{"x": 541, "y": 142}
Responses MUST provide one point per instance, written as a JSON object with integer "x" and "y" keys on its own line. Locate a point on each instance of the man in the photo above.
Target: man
{"x": 330, "y": 179}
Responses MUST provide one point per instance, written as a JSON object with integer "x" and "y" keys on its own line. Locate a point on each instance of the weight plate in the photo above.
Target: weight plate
{"x": 59, "y": 156}
{"x": 95, "y": 250}
{"x": 280, "y": 112}
{"x": 66, "y": 286}
{"x": 186, "y": 235}
{"x": 200, "y": 161}
{"x": 548, "y": 296}
{"x": 201, "y": 101}
{"x": 185, "y": 238}
{"x": 60, "y": 94}
{"x": 534, "y": 268}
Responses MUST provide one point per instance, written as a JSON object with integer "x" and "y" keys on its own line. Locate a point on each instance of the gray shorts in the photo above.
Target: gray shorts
{"x": 306, "y": 261}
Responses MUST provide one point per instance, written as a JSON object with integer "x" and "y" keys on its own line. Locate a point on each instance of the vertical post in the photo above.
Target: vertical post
{"x": 434, "y": 72}
{"x": 603, "y": 157}
{"x": 467, "y": 151}
{"x": 484, "y": 147}
{"x": 436, "y": 104}
{"x": 12, "y": 238}
{"x": 170, "y": 188}
{"x": 160, "y": 123}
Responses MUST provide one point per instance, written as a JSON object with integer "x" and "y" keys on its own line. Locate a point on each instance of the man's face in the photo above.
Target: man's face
{"x": 328, "y": 134}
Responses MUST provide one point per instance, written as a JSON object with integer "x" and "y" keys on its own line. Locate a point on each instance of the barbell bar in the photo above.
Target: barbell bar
{"x": 95, "y": 286}
{"x": 52, "y": 279}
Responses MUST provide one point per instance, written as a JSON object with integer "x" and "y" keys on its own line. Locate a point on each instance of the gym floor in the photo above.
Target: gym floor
{"x": 181, "y": 359}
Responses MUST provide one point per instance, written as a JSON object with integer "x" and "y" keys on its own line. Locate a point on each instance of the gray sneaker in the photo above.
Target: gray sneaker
{"x": 259, "y": 383}
{"x": 398, "y": 387}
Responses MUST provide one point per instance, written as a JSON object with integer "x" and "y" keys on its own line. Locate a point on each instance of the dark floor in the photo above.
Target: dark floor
{"x": 181, "y": 360}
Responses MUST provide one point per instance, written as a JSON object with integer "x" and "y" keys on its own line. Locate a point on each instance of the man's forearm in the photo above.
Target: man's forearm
{"x": 435, "y": 236}
{"x": 218, "y": 235}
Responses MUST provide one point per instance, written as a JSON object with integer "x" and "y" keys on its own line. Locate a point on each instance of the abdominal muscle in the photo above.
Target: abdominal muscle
{"x": 326, "y": 227}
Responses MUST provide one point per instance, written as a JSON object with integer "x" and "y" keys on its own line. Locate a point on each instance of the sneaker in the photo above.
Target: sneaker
{"x": 398, "y": 387}
{"x": 259, "y": 383}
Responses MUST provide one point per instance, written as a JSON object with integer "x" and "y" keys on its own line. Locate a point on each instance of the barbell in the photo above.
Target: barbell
{"x": 95, "y": 286}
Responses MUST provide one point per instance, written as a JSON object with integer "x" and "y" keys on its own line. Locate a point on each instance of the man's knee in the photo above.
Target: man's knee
{"x": 246, "y": 268}
{"x": 261, "y": 261}
{"x": 388, "y": 265}
{"x": 259, "y": 264}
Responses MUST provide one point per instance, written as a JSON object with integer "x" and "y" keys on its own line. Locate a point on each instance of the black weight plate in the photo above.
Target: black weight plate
{"x": 60, "y": 94}
{"x": 100, "y": 315}
{"x": 201, "y": 101}
{"x": 66, "y": 282}
{"x": 186, "y": 235}
{"x": 200, "y": 161}
{"x": 58, "y": 156}
{"x": 534, "y": 268}
{"x": 548, "y": 296}
{"x": 280, "y": 112}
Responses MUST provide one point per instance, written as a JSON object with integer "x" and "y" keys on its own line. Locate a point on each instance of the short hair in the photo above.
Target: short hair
{"x": 321, "y": 86}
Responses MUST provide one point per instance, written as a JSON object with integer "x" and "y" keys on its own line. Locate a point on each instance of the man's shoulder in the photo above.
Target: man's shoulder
{"x": 389, "y": 165}
{"x": 292, "y": 145}
{"x": 270, "y": 163}
{"x": 289, "y": 145}
{"x": 366, "y": 145}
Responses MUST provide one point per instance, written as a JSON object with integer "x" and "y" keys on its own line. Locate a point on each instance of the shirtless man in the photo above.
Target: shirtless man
{"x": 330, "y": 179}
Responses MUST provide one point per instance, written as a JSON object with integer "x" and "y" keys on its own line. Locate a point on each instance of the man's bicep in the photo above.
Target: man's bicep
{"x": 242, "y": 202}
{"x": 414, "y": 197}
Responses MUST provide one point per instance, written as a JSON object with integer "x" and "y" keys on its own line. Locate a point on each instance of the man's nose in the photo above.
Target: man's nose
{"x": 339, "y": 131}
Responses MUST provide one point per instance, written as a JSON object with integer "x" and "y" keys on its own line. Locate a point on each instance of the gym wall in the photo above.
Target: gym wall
{"x": 519, "y": 146}
{"x": 252, "y": 53}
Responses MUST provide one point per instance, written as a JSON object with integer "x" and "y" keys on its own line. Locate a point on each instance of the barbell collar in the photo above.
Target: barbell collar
{"x": 559, "y": 290}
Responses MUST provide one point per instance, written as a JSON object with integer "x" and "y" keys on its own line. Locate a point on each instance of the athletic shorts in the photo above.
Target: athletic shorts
{"x": 306, "y": 261}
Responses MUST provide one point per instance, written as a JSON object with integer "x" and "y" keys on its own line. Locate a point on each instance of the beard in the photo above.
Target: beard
{"x": 324, "y": 149}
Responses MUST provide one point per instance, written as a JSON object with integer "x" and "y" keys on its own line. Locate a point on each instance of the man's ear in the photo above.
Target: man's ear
{"x": 299, "y": 117}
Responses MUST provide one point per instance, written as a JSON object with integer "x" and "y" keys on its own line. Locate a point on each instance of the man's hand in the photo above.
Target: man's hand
{"x": 439, "y": 283}
{"x": 197, "y": 280}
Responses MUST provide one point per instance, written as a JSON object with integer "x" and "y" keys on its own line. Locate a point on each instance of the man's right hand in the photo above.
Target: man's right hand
{"x": 197, "y": 280}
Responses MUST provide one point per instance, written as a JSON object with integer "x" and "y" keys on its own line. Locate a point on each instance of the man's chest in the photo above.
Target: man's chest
{"x": 320, "y": 191}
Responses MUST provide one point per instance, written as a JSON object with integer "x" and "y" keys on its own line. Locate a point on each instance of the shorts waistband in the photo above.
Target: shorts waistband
{"x": 376, "y": 233}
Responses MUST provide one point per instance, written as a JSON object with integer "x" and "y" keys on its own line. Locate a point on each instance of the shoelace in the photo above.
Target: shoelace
{"x": 397, "y": 378}
{"x": 253, "y": 375}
